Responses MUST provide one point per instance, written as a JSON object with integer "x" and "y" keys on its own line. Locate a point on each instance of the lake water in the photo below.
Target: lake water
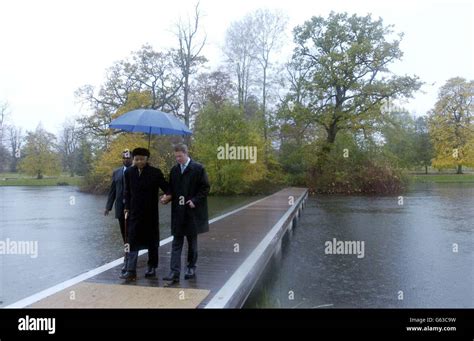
{"x": 416, "y": 255}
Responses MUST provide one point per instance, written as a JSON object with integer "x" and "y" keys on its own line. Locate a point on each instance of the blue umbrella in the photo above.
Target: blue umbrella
{"x": 150, "y": 121}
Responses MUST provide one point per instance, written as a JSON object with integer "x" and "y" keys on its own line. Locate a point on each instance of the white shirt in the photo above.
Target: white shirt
{"x": 183, "y": 167}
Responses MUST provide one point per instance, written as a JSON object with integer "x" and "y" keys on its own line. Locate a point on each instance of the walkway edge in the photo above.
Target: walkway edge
{"x": 235, "y": 291}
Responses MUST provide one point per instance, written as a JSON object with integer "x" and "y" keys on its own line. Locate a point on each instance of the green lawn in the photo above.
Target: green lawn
{"x": 442, "y": 178}
{"x": 17, "y": 179}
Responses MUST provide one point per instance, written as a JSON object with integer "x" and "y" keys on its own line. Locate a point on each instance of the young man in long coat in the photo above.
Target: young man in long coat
{"x": 142, "y": 184}
{"x": 188, "y": 190}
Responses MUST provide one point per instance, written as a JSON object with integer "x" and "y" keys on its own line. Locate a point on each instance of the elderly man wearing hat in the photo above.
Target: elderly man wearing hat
{"x": 116, "y": 195}
{"x": 142, "y": 183}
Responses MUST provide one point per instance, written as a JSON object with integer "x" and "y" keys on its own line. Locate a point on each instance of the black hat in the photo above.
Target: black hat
{"x": 141, "y": 151}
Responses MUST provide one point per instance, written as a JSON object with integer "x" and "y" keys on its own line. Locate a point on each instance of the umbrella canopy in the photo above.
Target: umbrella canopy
{"x": 150, "y": 121}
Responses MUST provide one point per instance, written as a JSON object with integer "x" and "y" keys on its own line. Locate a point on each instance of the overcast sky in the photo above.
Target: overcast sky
{"x": 50, "y": 48}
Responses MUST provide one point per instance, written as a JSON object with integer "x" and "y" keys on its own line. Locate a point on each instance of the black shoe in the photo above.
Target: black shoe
{"x": 129, "y": 276}
{"x": 151, "y": 272}
{"x": 172, "y": 277}
{"x": 190, "y": 273}
{"x": 123, "y": 270}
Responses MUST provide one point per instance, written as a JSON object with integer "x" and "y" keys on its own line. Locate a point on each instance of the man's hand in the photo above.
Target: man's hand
{"x": 106, "y": 212}
{"x": 165, "y": 199}
{"x": 125, "y": 212}
{"x": 190, "y": 203}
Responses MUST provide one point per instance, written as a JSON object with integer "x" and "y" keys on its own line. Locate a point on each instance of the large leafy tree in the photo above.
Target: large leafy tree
{"x": 217, "y": 126}
{"x": 344, "y": 64}
{"x": 40, "y": 155}
{"x": 452, "y": 126}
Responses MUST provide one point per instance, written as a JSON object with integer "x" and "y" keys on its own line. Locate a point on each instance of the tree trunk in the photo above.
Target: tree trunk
{"x": 13, "y": 165}
{"x": 240, "y": 92}
{"x": 264, "y": 100}
{"x": 187, "y": 109}
{"x": 187, "y": 140}
{"x": 426, "y": 169}
{"x": 459, "y": 169}
{"x": 332, "y": 131}
{"x": 264, "y": 112}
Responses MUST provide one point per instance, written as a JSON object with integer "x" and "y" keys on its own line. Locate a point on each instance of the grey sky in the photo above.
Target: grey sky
{"x": 49, "y": 48}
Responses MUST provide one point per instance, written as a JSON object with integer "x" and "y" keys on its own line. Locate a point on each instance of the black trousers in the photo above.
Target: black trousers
{"x": 122, "y": 227}
{"x": 122, "y": 231}
{"x": 132, "y": 259}
{"x": 177, "y": 248}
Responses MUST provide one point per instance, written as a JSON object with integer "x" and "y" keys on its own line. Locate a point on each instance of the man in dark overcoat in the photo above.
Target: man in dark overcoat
{"x": 188, "y": 191}
{"x": 116, "y": 195}
{"x": 142, "y": 184}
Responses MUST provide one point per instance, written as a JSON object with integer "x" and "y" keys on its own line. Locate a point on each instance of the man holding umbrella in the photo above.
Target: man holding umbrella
{"x": 193, "y": 184}
{"x": 188, "y": 190}
{"x": 142, "y": 183}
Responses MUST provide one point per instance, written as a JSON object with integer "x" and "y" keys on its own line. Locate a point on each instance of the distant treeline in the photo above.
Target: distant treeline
{"x": 327, "y": 118}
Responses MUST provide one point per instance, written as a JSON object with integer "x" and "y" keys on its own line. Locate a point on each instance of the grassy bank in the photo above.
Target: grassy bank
{"x": 442, "y": 178}
{"x": 17, "y": 179}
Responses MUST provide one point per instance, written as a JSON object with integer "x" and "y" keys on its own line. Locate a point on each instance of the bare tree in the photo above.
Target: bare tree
{"x": 120, "y": 82}
{"x": 5, "y": 158}
{"x": 3, "y": 120}
{"x": 96, "y": 128}
{"x": 155, "y": 73}
{"x": 68, "y": 145}
{"x": 215, "y": 87}
{"x": 188, "y": 57}
{"x": 149, "y": 79}
{"x": 250, "y": 46}
{"x": 297, "y": 78}
{"x": 105, "y": 102}
{"x": 239, "y": 48}
{"x": 15, "y": 135}
{"x": 268, "y": 36}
